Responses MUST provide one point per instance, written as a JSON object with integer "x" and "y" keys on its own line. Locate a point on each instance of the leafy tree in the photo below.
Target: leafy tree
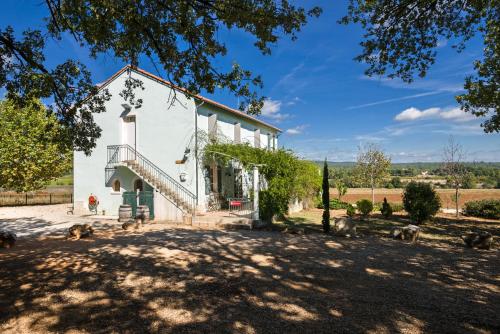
{"x": 307, "y": 183}
{"x": 421, "y": 201}
{"x": 372, "y": 166}
{"x": 396, "y": 182}
{"x": 454, "y": 167}
{"x": 326, "y": 200}
{"x": 180, "y": 37}
{"x": 341, "y": 188}
{"x": 402, "y": 37}
{"x": 31, "y": 154}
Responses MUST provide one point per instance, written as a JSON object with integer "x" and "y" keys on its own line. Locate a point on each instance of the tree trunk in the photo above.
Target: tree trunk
{"x": 456, "y": 202}
{"x": 373, "y": 191}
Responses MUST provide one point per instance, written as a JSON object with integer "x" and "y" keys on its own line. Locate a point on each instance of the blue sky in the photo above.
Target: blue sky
{"x": 319, "y": 95}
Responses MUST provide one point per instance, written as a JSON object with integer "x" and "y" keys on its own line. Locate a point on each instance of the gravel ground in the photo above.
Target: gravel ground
{"x": 43, "y": 220}
{"x": 168, "y": 279}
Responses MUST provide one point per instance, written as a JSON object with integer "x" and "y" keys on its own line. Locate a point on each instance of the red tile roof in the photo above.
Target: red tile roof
{"x": 199, "y": 97}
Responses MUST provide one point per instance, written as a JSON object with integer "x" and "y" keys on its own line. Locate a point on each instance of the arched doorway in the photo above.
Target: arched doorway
{"x": 138, "y": 185}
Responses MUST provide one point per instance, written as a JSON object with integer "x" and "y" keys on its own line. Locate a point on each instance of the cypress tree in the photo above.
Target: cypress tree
{"x": 326, "y": 200}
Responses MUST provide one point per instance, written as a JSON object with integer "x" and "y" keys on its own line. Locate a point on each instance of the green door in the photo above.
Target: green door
{"x": 146, "y": 198}
{"x": 130, "y": 198}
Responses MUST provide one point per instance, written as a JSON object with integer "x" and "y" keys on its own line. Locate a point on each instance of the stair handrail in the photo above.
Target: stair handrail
{"x": 131, "y": 154}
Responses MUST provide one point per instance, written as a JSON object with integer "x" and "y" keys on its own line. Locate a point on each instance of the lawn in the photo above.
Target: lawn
{"x": 443, "y": 228}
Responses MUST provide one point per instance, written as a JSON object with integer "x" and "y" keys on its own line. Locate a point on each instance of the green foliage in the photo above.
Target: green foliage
{"x": 364, "y": 206}
{"x": 396, "y": 182}
{"x": 287, "y": 176}
{"x": 181, "y": 38}
{"x": 396, "y": 207}
{"x": 386, "y": 209}
{"x": 351, "y": 211}
{"x": 421, "y": 201}
{"x": 487, "y": 208}
{"x": 401, "y": 39}
{"x": 336, "y": 204}
{"x": 325, "y": 221}
{"x": 31, "y": 153}
{"x": 372, "y": 165}
{"x": 307, "y": 183}
{"x": 341, "y": 188}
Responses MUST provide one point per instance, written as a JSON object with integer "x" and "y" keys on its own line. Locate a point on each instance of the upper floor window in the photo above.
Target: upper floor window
{"x": 257, "y": 138}
{"x": 237, "y": 133}
{"x": 212, "y": 126}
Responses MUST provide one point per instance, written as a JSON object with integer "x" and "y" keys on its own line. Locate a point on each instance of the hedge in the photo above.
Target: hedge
{"x": 486, "y": 208}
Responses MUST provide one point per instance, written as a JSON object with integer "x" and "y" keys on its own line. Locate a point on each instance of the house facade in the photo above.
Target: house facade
{"x": 148, "y": 153}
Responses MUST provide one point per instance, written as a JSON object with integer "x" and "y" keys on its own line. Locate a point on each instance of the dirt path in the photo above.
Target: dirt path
{"x": 175, "y": 280}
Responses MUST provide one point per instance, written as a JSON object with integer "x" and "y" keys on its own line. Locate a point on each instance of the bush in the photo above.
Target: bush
{"x": 486, "y": 208}
{"x": 421, "y": 201}
{"x": 396, "y": 207}
{"x": 386, "y": 209}
{"x": 364, "y": 207}
{"x": 351, "y": 211}
{"x": 336, "y": 204}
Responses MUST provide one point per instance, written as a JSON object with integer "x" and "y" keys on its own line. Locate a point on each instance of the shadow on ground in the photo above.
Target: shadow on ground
{"x": 190, "y": 281}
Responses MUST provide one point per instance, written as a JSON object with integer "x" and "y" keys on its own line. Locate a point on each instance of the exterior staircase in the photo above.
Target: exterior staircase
{"x": 125, "y": 155}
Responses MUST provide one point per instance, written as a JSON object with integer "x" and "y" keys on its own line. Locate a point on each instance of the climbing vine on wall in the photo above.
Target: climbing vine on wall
{"x": 287, "y": 176}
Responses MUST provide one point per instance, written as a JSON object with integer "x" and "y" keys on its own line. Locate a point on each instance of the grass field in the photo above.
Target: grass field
{"x": 394, "y": 195}
{"x": 444, "y": 227}
{"x": 66, "y": 180}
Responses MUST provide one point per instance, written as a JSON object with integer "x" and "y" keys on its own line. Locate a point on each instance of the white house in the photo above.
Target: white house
{"x": 150, "y": 151}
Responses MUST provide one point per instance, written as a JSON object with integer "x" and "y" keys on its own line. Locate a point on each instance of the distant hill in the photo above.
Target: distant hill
{"x": 407, "y": 165}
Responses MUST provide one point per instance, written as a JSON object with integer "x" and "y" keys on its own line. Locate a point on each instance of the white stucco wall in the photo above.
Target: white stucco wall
{"x": 163, "y": 133}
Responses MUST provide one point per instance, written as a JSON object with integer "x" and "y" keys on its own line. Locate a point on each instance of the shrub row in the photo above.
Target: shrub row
{"x": 487, "y": 208}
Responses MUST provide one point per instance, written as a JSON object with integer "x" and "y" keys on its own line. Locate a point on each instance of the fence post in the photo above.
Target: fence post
{"x": 26, "y": 198}
{"x": 50, "y": 198}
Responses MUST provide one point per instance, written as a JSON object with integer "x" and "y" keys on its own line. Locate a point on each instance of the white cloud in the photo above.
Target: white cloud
{"x": 271, "y": 109}
{"x": 450, "y": 113}
{"x": 369, "y": 138}
{"x": 412, "y": 114}
{"x": 296, "y": 130}
{"x": 457, "y": 114}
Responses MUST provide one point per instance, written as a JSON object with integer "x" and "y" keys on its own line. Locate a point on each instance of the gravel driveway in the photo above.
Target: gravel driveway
{"x": 43, "y": 220}
{"x": 167, "y": 279}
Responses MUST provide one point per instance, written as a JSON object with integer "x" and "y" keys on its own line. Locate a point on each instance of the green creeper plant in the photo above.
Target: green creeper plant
{"x": 287, "y": 176}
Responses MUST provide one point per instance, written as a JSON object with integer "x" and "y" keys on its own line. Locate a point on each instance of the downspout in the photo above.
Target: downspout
{"x": 196, "y": 147}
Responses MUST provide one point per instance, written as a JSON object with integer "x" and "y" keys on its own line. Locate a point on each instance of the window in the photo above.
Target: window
{"x": 212, "y": 126}
{"x": 256, "y": 138}
{"x": 116, "y": 186}
{"x": 237, "y": 133}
